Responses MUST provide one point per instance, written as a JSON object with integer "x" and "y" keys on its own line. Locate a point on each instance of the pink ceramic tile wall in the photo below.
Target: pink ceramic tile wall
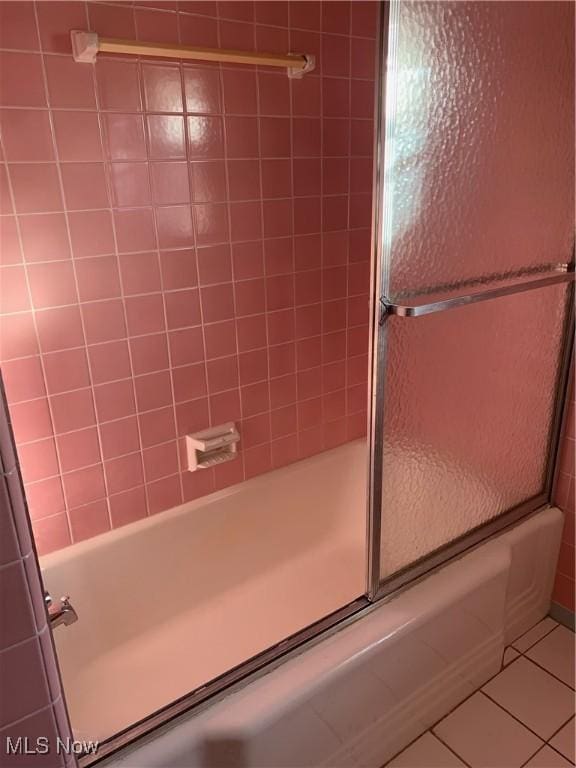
{"x": 31, "y": 703}
{"x": 182, "y": 245}
{"x": 565, "y": 492}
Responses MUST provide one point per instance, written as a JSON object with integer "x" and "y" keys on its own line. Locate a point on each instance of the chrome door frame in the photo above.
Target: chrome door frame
{"x": 383, "y": 307}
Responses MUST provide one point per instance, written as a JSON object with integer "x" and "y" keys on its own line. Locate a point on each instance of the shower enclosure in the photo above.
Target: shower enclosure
{"x": 471, "y": 325}
{"x": 474, "y": 296}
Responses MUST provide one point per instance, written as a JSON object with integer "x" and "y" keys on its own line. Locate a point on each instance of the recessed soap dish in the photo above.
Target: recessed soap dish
{"x": 212, "y": 446}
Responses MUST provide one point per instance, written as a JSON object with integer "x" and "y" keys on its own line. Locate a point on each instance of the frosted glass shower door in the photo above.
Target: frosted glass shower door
{"x": 475, "y": 249}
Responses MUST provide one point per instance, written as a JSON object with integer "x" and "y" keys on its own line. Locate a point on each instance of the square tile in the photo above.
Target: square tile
{"x": 533, "y": 696}
{"x": 128, "y": 506}
{"x": 174, "y": 227}
{"x": 426, "y": 752}
{"x": 69, "y": 86}
{"x": 31, "y": 420}
{"x": 547, "y": 758}
{"x": 486, "y": 736}
{"x": 166, "y": 137}
{"x": 202, "y": 90}
{"x": 66, "y": 370}
{"x": 104, "y": 321}
{"x": 52, "y": 284}
{"x": 564, "y": 740}
{"x": 18, "y": 26}
{"x": 23, "y": 379}
{"x": 112, "y": 20}
{"x": 84, "y": 185}
{"x": 124, "y": 472}
{"x": 36, "y": 187}
{"x": 205, "y": 137}
{"x": 130, "y": 184}
{"x": 78, "y": 449}
{"x": 162, "y": 87}
{"x": 530, "y": 638}
{"x": 84, "y": 485}
{"x": 119, "y": 437}
{"x": 118, "y": 84}
{"x": 556, "y": 654}
{"x": 125, "y": 138}
{"x": 78, "y": 136}
{"x": 156, "y": 24}
{"x": 26, "y": 135}
{"x": 72, "y": 410}
{"x": 27, "y": 88}
{"x": 89, "y": 520}
{"x": 91, "y": 233}
{"x": 55, "y": 20}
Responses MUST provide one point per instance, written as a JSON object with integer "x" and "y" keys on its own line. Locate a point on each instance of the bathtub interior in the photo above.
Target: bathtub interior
{"x": 159, "y": 600}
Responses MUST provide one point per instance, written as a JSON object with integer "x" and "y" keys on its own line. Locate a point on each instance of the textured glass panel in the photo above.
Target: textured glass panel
{"x": 480, "y": 140}
{"x": 469, "y": 400}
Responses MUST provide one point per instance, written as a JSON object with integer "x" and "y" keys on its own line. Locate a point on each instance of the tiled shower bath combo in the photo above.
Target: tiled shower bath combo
{"x": 287, "y": 391}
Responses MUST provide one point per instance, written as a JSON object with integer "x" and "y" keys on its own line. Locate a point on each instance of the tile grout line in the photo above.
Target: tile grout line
{"x": 536, "y": 664}
{"x": 549, "y": 632}
{"x": 165, "y": 334}
{"x": 451, "y": 749}
{"x": 515, "y": 717}
{"x": 110, "y": 194}
{"x": 30, "y": 310}
{"x": 78, "y": 303}
{"x": 479, "y": 690}
{"x": 237, "y": 389}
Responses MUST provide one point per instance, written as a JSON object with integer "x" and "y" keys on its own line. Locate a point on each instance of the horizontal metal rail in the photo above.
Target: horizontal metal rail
{"x": 417, "y": 310}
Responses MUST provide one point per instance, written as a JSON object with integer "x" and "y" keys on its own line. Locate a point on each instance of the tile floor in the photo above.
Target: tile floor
{"x": 524, "y": 716}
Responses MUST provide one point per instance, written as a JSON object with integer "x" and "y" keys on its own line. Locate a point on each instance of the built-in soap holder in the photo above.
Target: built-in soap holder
{"x": 212, "y": 446}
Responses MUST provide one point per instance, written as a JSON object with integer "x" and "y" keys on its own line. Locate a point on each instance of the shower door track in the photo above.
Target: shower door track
{"x": 232, "y": 680}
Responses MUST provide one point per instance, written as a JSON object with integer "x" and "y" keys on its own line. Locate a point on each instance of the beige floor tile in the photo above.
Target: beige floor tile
{"x": 426, "y": 752}
{"x": 537, "y": 699}
{"x": 485, "y": 736}
{"x": 537, "y": 632}
{"x": 509, "y": 655}
{"x": 565, "y": 739}
{"x": 556, "y": 654}
{"x": 547, "y": 758}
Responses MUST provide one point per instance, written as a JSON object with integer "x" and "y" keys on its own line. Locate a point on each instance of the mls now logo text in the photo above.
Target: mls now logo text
{"x": 23, "y": 745}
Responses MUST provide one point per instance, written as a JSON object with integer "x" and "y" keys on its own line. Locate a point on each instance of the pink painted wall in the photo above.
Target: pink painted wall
{"x": 182, "y": 245}
{"x": 31, "y": 702}
{"x": 565, "y": 491}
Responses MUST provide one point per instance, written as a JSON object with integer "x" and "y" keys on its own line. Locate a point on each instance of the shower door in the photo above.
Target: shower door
{"x": 474, "y": 239}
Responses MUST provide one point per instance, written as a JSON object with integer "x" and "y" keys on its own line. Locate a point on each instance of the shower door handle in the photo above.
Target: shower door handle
{"x": 420, "y": 307}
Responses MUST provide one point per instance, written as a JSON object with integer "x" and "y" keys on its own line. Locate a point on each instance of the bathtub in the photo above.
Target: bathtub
{"x": 160, "y": 614}
{"x": 170, "y": 602}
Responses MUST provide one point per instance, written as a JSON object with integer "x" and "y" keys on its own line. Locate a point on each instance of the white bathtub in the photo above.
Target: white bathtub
{"x": 360, "y": 696}
{"x": 168, "y": 603}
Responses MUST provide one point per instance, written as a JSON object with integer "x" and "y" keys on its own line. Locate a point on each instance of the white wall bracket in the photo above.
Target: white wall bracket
{"x": 85, "y": 46}
{"x": 298, "y": 74}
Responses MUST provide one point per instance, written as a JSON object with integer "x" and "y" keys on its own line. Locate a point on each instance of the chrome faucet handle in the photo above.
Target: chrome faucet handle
{"x": 65, "y": 614}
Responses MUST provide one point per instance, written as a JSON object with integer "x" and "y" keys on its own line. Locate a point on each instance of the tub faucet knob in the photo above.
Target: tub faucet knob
{"x": 65, "y": 614}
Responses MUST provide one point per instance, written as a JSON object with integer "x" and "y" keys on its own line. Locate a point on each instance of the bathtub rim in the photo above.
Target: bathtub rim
{"x": 256, "y": 667}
